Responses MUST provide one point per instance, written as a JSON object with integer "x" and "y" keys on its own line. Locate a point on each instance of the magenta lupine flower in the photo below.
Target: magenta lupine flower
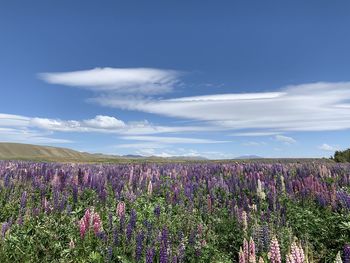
{"x": 274, "y": 254}
{"x": 82, "y": 227}
{"x": 121, "y": 209}
{"x": 90, "y": 220}
{"x": 252, "y": 256}
{"x": 97, "y": 224}
{"x": 87, "y": 218}
{"x": 241, "y": 257}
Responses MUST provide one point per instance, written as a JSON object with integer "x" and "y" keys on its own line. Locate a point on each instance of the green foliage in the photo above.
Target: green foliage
{"x": 342, "y": 156}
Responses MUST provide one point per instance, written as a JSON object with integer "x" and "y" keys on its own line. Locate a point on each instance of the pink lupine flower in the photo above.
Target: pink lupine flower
{"x": 261, "y": 260}
{"x": 297, "y": 253}
{"x": 209, "y": 203}
{"x": 90, "y": 220}
{"x": 252, "y": 256}
{"x": 241, "y": 256}
{"x": 82, "y": 227}
{"x": 246, "y": 250}
{"x": 289, "y": 259}
{"x": 87, "y": 218}
{"x": 200, "y": 229}
{"x": 121, "y": 209}
{"x": 274, "y": 254}
{"x": 97, "y": 224}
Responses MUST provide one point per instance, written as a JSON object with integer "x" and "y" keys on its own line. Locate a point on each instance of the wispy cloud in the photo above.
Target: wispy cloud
{"x": 253, "y": 143}
{"x": 328, "y": 148}
{"x": 254, "y": 134}
{"x": 172, "y": 140}
{"x": 117, "y": 80}
{"x": 306, "y": 107}
{"x": 285, "y": 139}
{"x": 24, "y": 135}
{"x": 98, "y": 124}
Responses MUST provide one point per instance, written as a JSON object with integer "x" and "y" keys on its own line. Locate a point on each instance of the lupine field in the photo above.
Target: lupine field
{"x": 175, "y": 212}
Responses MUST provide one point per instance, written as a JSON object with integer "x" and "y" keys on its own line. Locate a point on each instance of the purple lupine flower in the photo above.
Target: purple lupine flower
{"x": 181, "y": 249}
{"x": 23, "y": 200}
{"x": 129, "y": 230}
{"x": 133, "y": 218}
{"x": 346, "y": 252}
{"x": 266, "y": 236}
{"x": 150, "y": 255}
{"x": 109, "y": 254}
{"x": 157, "y": 211}
{"x": 102, "y": 235}
{"x": 122, "y": 224}
{"x": 75, "y": 193}
{"x": 163, "y": 254}
{"x": 115, "y": 237}
{"x": 139, "y": 245}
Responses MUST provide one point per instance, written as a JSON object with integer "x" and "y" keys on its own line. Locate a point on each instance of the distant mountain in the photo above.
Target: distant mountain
{"x": 248, "y": 157}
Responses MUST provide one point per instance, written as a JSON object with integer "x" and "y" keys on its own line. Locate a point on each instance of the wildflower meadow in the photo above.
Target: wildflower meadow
{"x": 175, "y": 212}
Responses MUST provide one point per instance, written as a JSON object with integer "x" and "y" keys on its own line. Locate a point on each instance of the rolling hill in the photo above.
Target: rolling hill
{"x": 34, "y": 152}
{"x": 19, "y": 151}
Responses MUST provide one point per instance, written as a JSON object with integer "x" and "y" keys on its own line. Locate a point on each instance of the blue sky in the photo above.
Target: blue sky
{"x": 213, "y": 78}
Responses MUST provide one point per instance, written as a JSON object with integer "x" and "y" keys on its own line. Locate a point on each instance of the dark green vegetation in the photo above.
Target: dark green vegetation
{"x": 175, "y": 212}
{"x": 342, "y": 156}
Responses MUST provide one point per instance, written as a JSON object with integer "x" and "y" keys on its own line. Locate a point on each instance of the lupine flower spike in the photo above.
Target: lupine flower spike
{"x": 338, "y": 258}
{"x": 274, "y": 254}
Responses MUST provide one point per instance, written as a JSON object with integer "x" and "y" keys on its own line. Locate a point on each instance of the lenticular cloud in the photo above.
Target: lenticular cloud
{"x": 147, "y": 81}
{"x": 307, "y": 107}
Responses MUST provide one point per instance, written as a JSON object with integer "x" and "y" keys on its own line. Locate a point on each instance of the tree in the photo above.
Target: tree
{"x": 342, "y": 156}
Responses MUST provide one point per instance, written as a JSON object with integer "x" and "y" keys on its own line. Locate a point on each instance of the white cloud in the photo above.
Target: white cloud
{"x": 254, "y": 134}
{"x": 99, "y": 124}
{"x": 306, "y": 107}
{"x": 24, "y": 135}
{"x": 285, "y": 139}
{"x": 253, "y": 143}
{"x": 120, "y": 80}
{"x": 171, "y": 140}
{"x": 328, "y": 148}
{"x": 105, "y": 122}
{"x": 102, "y": 123}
